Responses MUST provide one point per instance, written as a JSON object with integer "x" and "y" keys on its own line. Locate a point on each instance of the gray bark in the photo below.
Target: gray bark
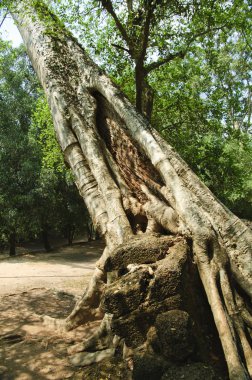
{"x": 133, "y": 182}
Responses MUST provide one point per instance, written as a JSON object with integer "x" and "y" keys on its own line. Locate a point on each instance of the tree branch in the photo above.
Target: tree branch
{"x": 204, "y": 32}
{"x": 107, "y": 4}
{"x": 146, "y": 30}
{"x": 121, "y": 48}
{"x": 4, "y": 17}
{"x": 162, "y": 61}
{"x": 130, "y": 5}
{"x": 181, "y": 53}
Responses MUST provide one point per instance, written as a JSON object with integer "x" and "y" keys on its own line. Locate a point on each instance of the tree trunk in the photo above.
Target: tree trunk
{"x": 45, "y": 239}
{"x": 144, "y": 92}
{"x": 12, "y": 244}
{"x": 137, "y": 190}
{"x": 70, "y": 231}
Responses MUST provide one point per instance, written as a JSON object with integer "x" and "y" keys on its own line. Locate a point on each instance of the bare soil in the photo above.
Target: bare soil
{"x": 35, "y": 284}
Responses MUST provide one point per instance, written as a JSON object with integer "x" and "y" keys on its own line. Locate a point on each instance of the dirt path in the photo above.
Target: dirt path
{"x": 36, "y": 284}
{"x": 66, "y": 268}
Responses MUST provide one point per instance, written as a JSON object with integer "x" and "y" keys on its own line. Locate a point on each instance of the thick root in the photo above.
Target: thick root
{"x": 85, "y": 315}
{"x": 83, "y": 359}
{"x": 100, "y": 340}
{"x": 54, "y": 324}
{"x": 246, "y": 316}
{"x": 86, "y": 310}
{"x": 236, "y": 319}
{"x": 208, "y": 277}
{"x": 102, "y": 344}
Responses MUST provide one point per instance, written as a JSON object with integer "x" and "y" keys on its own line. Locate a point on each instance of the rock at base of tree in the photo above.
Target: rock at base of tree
{"x": 148, "y": 367}
{"x": 157, "y": 311}
{"x": 174, "y": 332}
{"x": 140, "y": 251}
{"x": 190, "y": 371}
{"x": 127, "y": 294}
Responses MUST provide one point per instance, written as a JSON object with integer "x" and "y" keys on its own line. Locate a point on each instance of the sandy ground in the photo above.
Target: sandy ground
{"x": 36, "y": 284}
{"x": 66, "y": 268}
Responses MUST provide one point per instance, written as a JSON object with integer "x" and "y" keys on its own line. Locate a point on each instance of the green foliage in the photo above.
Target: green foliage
{"x": 37, "y": 191}
{"x": 203, "y": 108}
{"x": 42, "y": 133}
{"x": 18, "y": 159}
{"x": 59, "y": 206}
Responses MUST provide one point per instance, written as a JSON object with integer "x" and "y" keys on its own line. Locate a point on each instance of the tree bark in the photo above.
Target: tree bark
{"x": 134, "y": 183}
{"x": 144, "y": 92}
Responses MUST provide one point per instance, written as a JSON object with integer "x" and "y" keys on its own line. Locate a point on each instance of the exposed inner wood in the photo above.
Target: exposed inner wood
{"x": 134, "y": 166}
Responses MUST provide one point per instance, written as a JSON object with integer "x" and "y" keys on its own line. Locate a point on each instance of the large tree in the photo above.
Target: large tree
{"x": 135, "y": 185}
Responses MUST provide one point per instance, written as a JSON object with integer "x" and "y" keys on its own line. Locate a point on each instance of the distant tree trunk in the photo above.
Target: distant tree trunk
{"x": 136, "y": 186}
{"x": 45, "y": 239}
{"x": 70, "y": 233}
{"x": 92, "y": 232}
{"x": 12, "y": 243}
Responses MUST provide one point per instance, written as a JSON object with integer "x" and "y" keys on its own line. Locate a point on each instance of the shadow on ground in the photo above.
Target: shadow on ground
{"x": 28, "y": 349}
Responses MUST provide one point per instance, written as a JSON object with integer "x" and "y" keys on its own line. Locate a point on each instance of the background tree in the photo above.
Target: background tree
{"x": 215, "y": 140}
{"x": 59, "y": 209}
{"x": 38, "y": 195}
{"x": 19, "y": 162}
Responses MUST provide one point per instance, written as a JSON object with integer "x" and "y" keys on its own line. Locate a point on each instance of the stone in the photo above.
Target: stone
{"x": 174, "y": 332}
{"x": 190, "y": 371}
{"x": 169, "y": 274}
{"x": 140, "y": 250}
{"x": 148, "y": 367}
{"x": 127, "y": 293}
{"x": 152, "y": 340}
{"x": 134, "y": 326}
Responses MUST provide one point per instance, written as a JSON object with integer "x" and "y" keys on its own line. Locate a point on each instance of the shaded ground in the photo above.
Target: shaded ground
{"x": 35, "y": 284}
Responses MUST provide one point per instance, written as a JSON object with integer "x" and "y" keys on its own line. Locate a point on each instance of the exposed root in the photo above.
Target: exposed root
{"x": 163, "y": 214}
{"x": 208, "y": 277}
{"x": 246, "y": 316}
{"x": 153, "y": 226}
{"x": 100, "y": 340}
{"x": 87, "y": 358}
{"x": 236, "y": 319}
{"x": 102, "y": 346}
{"x": 54, "y": 323}
{"x": 86, "y": 310}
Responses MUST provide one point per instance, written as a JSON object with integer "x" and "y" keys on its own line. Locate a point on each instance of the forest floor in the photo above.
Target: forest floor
{"x": 33, "y": 284}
